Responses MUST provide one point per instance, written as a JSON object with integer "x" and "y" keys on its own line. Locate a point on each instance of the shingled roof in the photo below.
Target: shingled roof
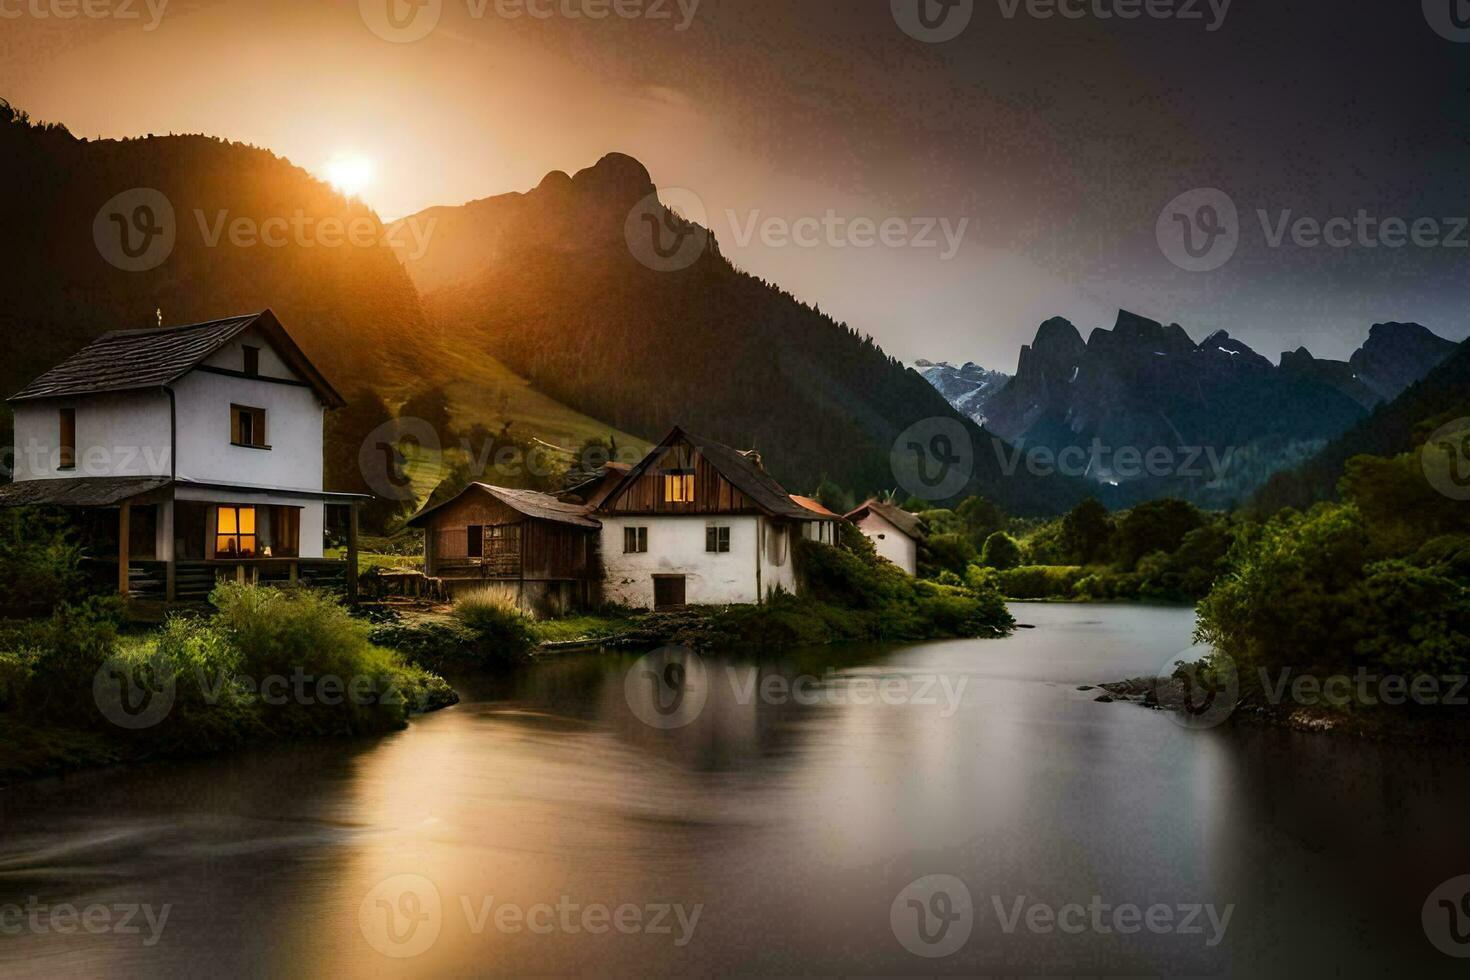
{"x": 742, "y": 468}
{"x": 541, "y": 506}
{"x": 132, "y": 360}
{"x": 79, "y": 491}
{"x": 909, "y": 524}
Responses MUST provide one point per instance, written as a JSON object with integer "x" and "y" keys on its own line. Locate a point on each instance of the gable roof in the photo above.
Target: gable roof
{"x": 131, "y": 360}
{"x": 909, "y": 524}
{"x": 530, "y": 503}
{"x": 742, "y": 469}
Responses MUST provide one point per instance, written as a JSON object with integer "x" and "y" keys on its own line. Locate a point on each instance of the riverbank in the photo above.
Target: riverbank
{"x": 1198, "y": 705}
{"x": 76, "y": 691}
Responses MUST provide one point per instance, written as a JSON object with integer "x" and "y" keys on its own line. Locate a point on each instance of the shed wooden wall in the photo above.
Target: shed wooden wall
{"x": 551, "y": 550}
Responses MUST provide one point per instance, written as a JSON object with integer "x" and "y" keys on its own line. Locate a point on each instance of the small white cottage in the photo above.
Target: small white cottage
{"x": 895, "y": 532}
{"x": 697, "y": 522}
{"x": 193, "y": 451}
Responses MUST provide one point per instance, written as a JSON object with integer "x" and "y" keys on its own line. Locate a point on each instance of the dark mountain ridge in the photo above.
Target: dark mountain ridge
{"x": 346, "y": 306}
{"x": 547, "y": 282}
{"x": 1144, "y": 384}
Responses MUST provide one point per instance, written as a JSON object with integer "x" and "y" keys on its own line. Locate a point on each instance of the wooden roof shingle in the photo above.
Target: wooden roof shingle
{"x": 130, "y": 360}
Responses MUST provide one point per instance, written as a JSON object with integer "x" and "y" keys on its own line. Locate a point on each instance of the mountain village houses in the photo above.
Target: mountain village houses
{"x": 195, "y": 453}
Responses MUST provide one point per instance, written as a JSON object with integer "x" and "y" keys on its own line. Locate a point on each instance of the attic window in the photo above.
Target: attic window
{"x": 247, "y": 427}
{"x": 252, "y": 361}
{"x": 678, "y": 486}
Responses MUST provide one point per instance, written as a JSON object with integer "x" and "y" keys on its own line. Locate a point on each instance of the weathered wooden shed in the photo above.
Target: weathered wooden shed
{"x": 527, "y": 547}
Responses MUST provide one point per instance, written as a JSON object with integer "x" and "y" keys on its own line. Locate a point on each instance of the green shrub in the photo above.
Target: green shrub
{"x": 40, "y": 562}
{"x": 15, "y": 674}
{"x": 61, "y": 655}
{"x": 1039, "y": 581}
{"x": 940, "y": 552}
{"x": 1001, "y": 551}
{"x": 503, "y": 631}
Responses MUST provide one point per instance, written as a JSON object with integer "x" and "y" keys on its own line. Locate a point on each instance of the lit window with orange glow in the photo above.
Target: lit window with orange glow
{"x": 678, "y": 486}
{"x": 235, "y": 532}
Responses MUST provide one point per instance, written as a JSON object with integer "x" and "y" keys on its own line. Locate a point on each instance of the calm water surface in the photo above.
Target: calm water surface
{"x": 789, "y": 829}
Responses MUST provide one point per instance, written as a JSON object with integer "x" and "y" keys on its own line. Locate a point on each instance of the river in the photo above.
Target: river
{"x": 852, "y": 811}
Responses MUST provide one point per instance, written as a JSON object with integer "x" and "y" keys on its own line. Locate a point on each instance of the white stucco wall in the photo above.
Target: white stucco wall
{"x": 676, "y": 547}
{"x": 122, "y": 434}
{"x": 293, "y": 429}
{"x": 891, "y": 543}
{"x": 778, "y": 561}
{"x": 128, "y": 433}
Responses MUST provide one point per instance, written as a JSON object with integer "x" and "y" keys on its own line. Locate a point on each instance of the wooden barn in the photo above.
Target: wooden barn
{"x": 531, "y": 548}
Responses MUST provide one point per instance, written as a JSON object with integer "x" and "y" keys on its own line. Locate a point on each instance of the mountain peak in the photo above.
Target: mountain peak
{"x": 617, "y": 177}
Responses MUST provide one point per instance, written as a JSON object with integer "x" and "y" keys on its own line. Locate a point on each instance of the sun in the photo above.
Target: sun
{"x": 350, "y": 173}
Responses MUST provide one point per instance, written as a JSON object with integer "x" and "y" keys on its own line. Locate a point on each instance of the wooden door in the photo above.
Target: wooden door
{"x": 668, "y": 591}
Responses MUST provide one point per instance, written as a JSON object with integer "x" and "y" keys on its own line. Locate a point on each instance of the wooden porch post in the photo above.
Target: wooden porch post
{"x": 171, "y": 580}
{"x": 124, "y": 532}
{"x": 352, "y": 552}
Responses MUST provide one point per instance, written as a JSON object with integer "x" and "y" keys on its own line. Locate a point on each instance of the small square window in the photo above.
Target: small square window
{"x": 247, "y": 426}
{"x": 635, "y": 540}
{"x": 716, "y": 539}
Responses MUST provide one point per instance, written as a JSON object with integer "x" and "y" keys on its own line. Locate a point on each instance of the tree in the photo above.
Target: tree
{"x": 1158, "y": 525}
{"x": 952, "y": 552}
{"x": 832, "y": 496}
{"x": 982, "y": 517}
{"x": 1086, "y": 532}
{"x": 1001, "y": 552}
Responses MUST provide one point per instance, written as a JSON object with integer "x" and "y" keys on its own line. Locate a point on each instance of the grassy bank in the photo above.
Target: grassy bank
{"x": 265, "y": 664}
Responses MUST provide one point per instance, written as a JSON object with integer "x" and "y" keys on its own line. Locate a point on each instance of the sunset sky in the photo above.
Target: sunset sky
{"x": 1054, "y": 143}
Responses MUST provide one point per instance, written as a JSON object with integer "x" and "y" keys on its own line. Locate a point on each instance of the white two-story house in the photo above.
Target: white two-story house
{"x": 194, "y": 451}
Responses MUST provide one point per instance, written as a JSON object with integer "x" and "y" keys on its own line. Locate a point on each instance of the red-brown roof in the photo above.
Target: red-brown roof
{"x": 814, "y": 506}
